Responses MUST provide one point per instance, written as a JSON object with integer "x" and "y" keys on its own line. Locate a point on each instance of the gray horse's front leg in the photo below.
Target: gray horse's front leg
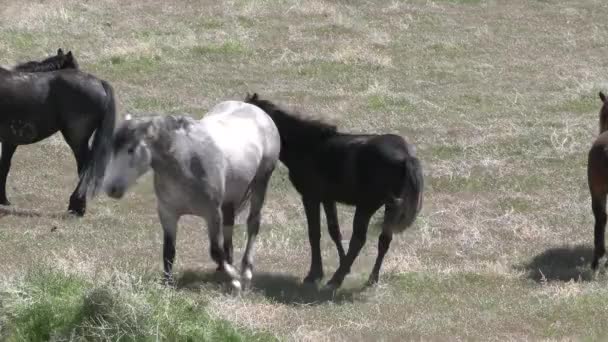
{"x": 168, "y": 220}
{"x": 216, "y": 239}
{"x": 253, "y": 227}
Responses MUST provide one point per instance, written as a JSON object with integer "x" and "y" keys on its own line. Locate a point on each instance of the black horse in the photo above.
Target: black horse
{"x": 366, "y": 171}
{"x": 37, "y": 99}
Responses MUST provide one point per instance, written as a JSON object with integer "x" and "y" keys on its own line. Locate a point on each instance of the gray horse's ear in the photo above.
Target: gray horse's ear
{"x": 59, "y": 52}
{"x": 602, "y": 97}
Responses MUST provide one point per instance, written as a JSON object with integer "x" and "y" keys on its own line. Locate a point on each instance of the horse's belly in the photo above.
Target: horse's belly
{"x": 21, "y": 132}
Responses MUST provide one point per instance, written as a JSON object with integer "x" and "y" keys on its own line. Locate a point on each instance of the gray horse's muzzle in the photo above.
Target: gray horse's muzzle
{"x": 115, "y": 191}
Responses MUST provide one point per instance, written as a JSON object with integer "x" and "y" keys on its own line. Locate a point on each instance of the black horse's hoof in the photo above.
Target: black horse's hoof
{"x": 330, "y": 287}
{"x": 76, "y": 212}
{"x": 313, "y": 277}
{"x": 5, "y": 202}
{"x": 373, "y": 280}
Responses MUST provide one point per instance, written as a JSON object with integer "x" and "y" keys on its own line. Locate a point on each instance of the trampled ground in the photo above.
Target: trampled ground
{"x": 499, "y": 97}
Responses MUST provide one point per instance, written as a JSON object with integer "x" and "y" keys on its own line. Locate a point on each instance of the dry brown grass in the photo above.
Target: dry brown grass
{"x": 499, "y": 98}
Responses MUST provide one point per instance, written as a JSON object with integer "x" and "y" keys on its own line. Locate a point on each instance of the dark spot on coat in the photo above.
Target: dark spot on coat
{"x": 196, "y": 167}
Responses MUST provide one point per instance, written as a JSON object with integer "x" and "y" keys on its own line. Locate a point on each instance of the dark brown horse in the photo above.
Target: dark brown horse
{"x": 597, "y": 176}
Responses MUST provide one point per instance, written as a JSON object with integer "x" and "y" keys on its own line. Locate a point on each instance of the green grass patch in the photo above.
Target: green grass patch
{"x": 19, "y": 40}
{"x": 210, "y": 23}
{"x": 447, "y": 49}
{"x": 519, "y": 205}
{"x": 445, "y": 152}
{"x": 230, "y": 47}
{"x": 579, "y": 105}
{"x": 461, "y": 2}
{"x": 148, "y": 103}
{"x": 483, "y": 180}
{"x": 382, "y": 103}
{"x": 129, "y": 66}
{"x": 50, "y": 305}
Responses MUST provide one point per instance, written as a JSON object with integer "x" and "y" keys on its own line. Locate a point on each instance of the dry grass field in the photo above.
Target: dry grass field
{"x": 499, "y": 97}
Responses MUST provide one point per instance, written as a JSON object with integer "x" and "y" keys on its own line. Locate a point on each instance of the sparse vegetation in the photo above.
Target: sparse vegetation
{"x": 499, "y": 97}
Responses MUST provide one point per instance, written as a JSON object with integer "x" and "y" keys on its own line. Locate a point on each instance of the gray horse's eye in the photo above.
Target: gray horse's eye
{"x": 131, "y": 150}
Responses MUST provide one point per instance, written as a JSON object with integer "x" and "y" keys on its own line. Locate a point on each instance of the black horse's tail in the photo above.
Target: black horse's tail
{"x": 92, "y": 176}
{"x": 403, "y": 210}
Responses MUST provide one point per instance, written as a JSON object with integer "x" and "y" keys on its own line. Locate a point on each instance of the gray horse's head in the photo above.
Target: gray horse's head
{"x": 131, "y": 156}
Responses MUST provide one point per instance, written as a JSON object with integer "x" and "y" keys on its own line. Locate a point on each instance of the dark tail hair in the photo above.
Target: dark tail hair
{"x": 407, "y": 206}
{"x": 92, "y": 177}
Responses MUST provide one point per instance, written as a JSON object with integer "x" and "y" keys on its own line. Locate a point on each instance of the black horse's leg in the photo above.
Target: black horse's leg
{"x": 333, "y": 227}
{"x": 312, "y": 208}
{"x": 78, "y": 142}
{"x": 5, "y": 165}
{"x": 360, "y": 225}
{"x": 228, "y": 214}
{"x": 168, "y": 220}
{"x": 384, "y": 241}
{"x": 598, "y": 204}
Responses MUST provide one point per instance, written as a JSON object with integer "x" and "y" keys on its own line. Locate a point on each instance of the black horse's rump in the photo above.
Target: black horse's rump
{"x": 364, "y": 170}
{"x": 35, "y": 105}
{"x": 57, "y": 62}
{"x": 597, "y": 171}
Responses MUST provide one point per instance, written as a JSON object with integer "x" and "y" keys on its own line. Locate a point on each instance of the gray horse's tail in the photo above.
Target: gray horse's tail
{"x": 92, "y": 177}
{"x": 403, "y": 210}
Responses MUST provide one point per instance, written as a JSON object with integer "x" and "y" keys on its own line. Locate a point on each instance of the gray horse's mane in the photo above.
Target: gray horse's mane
{"x": 135, "y": 129}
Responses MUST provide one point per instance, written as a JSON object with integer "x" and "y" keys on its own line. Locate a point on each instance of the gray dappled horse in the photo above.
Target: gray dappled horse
{"x": 208, "y": 168}
{"x": 37, "y": 99}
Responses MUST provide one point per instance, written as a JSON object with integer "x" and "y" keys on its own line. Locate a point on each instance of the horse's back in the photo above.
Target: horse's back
{"x": 237, "y": 125}
{"x": 247, "y": 140}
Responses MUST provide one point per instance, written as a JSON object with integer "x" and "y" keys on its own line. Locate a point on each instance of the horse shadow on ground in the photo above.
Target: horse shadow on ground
{"x": 20, "y": 212}
{"x": 276, "y": 287}
{"x": 560, "y": 264}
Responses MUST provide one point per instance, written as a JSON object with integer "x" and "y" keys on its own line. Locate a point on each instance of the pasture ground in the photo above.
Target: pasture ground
{"x": 499, "y": 97}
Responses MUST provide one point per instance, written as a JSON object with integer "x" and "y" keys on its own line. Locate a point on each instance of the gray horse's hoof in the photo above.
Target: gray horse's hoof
{"x": 246, "y": 277}
{"x": 235, "y": 285}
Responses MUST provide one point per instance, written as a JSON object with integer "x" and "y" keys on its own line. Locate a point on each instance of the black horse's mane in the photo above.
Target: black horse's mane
{"x": 294, "y": 124}
{"x": 58, "y": 62}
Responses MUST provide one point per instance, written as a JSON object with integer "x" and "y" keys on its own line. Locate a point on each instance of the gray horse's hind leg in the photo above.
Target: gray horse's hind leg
{"x": 216, "y": 239}
{"x": 258, "y": 196}
{"x": 5, "y": 164}
{"x": 228, "y": 222}
{"x": 168, "y": 220}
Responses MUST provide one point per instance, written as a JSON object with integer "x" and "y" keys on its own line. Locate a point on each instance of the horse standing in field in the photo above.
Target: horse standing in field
{"x": 366, "y": 171}
{"x": 208, "y": 168}
{"x": 597, "y": 177}
{"x": 37, "y": 99}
